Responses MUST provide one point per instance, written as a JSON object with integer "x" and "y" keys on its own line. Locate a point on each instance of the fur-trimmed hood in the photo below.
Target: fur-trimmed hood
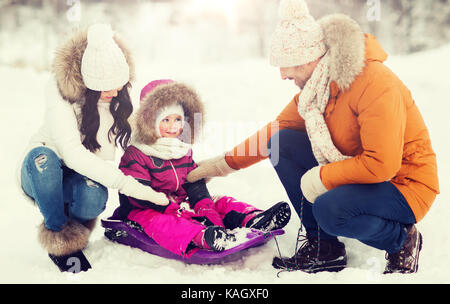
{"x": 346, "y": 43}
{"x": 67, "y": 66}
{"x": 163, "y": 95}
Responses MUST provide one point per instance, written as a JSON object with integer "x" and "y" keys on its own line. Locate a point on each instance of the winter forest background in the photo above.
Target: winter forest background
{"x": 220, "y": 48}
{"x": 213, "y": 30}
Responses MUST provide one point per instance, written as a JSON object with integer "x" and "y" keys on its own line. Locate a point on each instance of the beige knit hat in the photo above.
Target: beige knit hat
{"x": 298, "y": 38}
{"x": 104, "y": 66}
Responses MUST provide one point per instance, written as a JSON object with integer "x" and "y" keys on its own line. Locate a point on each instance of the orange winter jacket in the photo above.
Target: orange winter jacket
{"x": 376, "y": 122}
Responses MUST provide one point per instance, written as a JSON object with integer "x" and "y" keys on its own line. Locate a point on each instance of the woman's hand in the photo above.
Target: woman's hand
{"x": 137, "y": 190}
{"x": 158, "y": 198}
{"x": 216, "y": 166}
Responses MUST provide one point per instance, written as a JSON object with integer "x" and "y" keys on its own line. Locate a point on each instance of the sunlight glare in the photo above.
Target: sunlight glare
{"x": 225, "y": 6}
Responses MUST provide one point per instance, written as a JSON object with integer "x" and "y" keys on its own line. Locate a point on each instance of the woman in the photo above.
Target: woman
{"x": 66, "y": 170}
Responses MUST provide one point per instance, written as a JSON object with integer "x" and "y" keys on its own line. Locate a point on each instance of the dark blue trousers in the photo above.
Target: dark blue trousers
{"x": 375, "y": 214}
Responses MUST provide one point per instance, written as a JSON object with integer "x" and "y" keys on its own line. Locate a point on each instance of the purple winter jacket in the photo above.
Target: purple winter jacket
{"x": 167, "y": 176}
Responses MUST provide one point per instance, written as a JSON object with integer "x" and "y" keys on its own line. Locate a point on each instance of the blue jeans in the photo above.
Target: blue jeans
{"x": 375, "y": 214}
{"x": 60, "y": 192}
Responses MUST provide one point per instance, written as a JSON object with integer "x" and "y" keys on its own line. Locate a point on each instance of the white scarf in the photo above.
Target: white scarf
{"x": 165, "y": 148}
{"x": 312, "y": 103}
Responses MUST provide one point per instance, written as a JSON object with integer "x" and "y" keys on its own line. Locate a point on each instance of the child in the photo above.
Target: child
{"x": 160, "y": 157}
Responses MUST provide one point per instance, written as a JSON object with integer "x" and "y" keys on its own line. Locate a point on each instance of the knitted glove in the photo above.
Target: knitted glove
{"x": 133, "y": 188}
{"x": 216, "y": 166}
{"x": 311, "y": 184}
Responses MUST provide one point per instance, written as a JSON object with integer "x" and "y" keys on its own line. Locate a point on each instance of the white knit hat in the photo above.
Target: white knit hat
{"x": 103, "y": 66}
{"x": 298, "y": 38}
{"x": 175, "y": 108}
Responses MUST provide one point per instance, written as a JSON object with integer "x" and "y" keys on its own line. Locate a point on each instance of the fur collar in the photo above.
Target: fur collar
{"x": 67, "y": 66}
{"x": 346, "y": 43}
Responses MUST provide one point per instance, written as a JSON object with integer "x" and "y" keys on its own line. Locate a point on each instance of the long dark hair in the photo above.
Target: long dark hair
{"x": 120, "y": 107}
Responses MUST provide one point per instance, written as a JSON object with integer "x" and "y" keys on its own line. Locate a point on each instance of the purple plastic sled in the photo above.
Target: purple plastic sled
{"x": 130, "y": 234}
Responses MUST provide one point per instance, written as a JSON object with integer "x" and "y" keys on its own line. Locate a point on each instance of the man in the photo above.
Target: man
{"x": 353, "y": 151}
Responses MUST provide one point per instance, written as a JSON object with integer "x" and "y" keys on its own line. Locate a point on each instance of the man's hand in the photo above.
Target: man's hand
{"x": 216, "y": 166}
{"x": 311, "y": 184}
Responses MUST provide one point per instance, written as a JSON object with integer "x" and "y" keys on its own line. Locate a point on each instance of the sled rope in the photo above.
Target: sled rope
{"x": 300, "y": 238}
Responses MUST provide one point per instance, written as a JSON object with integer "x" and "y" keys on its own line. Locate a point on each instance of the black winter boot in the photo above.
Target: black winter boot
{"x": 74, "y": 262}
{"x": 217, "y": 238}
{"x": 65, "y": 246}
{"x": 407, "y": 259}
{"x": 314, "y": 256}
{"x": 276, "y": 217}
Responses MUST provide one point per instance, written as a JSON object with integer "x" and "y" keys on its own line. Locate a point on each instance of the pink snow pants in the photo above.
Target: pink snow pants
{"x": 174, "y": 229}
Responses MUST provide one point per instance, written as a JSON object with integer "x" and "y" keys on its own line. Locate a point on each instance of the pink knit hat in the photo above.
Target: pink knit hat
{"x": 298, "y": 38}
{"x": 151, "y": 85}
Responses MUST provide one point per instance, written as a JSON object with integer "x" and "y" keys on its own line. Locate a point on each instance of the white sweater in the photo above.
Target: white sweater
{"x": 60, "y": 133}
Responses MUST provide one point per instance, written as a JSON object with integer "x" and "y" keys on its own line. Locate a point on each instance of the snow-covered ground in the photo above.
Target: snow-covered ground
{"x": 240, "y": 96}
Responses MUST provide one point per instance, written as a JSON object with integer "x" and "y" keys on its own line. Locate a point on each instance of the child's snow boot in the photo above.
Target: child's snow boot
{"x": 217, "y": 238}
{"x": 276, "y": 217}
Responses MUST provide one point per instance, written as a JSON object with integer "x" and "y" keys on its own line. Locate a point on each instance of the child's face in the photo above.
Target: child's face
{"x": 171, "y": 126}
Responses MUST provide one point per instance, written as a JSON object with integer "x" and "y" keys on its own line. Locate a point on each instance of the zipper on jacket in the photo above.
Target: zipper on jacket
{"x": 176, "y": 175}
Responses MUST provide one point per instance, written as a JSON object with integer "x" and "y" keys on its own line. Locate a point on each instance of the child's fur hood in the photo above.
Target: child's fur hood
{"x": 162, "y": 96}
